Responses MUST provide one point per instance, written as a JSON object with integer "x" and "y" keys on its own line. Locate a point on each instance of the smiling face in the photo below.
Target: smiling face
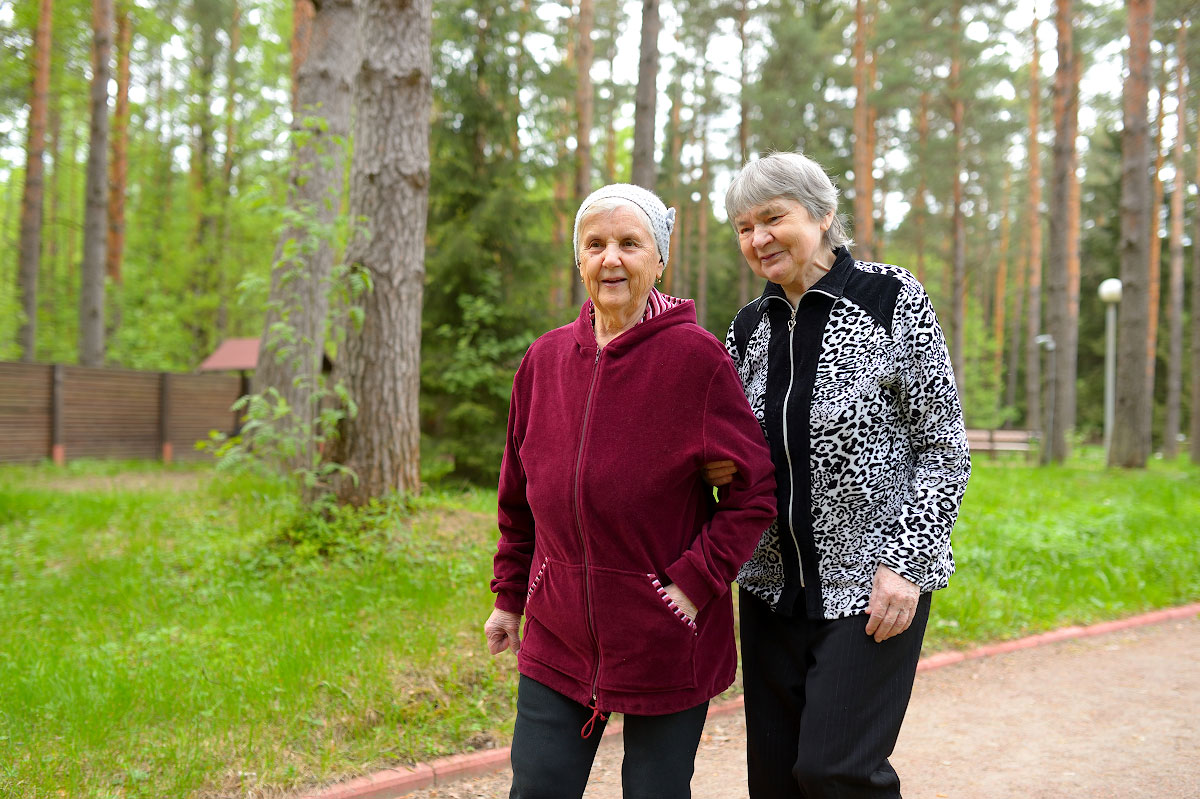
{"x": 618, "y": 262}
{"x": 784, "y": 244}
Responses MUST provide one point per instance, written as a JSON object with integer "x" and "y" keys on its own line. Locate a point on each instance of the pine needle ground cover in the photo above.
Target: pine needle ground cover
{"x": 181, "y": 632}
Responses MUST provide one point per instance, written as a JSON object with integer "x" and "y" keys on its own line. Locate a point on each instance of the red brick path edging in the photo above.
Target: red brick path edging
{"x": 397, "y": 782}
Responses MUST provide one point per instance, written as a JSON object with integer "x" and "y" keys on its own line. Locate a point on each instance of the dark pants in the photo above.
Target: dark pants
{"x": 551, "y": 760}
{"x": 824, "y": 703}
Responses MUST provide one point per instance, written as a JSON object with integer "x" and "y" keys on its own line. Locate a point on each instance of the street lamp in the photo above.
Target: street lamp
{"x": 1110, "y": 295}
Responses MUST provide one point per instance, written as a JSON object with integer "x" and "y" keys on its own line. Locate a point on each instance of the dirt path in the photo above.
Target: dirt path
{"x": 1115, "y": 716}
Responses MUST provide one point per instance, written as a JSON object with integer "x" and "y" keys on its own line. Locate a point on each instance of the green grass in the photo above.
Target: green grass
{"x": 183, "y": 632}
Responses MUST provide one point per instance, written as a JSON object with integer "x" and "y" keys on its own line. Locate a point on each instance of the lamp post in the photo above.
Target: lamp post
{"x": 1110, "y": 295}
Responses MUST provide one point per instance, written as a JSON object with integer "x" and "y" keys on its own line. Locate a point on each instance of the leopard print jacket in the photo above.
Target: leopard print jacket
{"x": 856, "y": 396}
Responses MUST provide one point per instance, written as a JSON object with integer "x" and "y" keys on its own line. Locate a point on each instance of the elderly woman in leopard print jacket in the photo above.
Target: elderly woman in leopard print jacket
{"x": 846, "y": 368}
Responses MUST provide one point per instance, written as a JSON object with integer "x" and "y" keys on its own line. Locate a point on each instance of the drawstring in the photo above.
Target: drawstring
{"x": 586, "y": 732}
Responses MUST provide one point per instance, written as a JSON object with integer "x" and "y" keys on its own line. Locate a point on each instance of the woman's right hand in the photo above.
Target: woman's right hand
{"x": 719, "y": 473}
{"x": 503, "y": 631}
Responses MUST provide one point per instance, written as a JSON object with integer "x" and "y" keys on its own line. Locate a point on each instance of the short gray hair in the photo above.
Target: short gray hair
{"x": 796, "y": 177}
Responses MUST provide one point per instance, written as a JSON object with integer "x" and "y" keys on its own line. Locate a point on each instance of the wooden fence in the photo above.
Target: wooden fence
{"x": 60, "y": 412}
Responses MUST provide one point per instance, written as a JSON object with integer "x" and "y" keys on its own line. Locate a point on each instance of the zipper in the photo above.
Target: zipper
{"x": 587, "y": 586}
{"x": 787, "y": 449}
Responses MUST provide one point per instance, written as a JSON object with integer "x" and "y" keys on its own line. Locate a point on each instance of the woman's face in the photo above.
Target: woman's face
{"x": 618, "y": 261}
{"x": 782, "y": 242}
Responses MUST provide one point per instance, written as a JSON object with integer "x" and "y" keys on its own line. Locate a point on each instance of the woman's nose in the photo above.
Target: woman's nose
{"x": 759, "y": 237}
{"x": 612, "y": 255}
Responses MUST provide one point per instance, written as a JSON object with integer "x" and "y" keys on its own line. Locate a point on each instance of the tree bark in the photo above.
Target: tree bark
{"x": 32, "y": 203}
{"x": 644, "y": 168}
{"x": 1171, "y": 426}
{"x": 1000, "y": 294}
{"x": 1060, "y": 320}
{"x": 864, "y": 213}
{"x": 958, "y": 222}
{"x": 292, "y": 346}
{"x": 1194, "y": 409}
{"x": 743, "y": 133}
{"x": 920, "y": 206}
{"x": 584, "y": 106}
{"x": 1157, "y": 191}
{"x": 303, "y": 12}
{"x": 1131, "y": 425}
{"x": 95, "y": 222}
{"x": 1033, "y": 273}
{"x": 119, "y": 168}
{"x": 389, "y": 188}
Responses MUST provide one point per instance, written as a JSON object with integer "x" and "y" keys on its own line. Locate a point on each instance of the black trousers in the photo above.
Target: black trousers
{"x": 824, "y": 703}
{"x": 552, "y": 760}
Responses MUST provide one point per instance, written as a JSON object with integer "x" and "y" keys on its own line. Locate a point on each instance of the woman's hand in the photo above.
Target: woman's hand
{"x": 719, "y": 473}
{"x": 680, "y": 599}
{"x": 503, "y": 631}
{"x": 893, "y": 604}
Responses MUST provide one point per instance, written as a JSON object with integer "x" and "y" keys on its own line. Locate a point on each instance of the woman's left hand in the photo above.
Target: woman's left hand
{"x": 680, "y": 599}
{"x": 503, "y": 631}
{"x": 892, "y": 606}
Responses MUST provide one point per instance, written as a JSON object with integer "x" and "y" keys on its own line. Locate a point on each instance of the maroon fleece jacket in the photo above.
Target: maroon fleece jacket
{"x": 601, "y": 503}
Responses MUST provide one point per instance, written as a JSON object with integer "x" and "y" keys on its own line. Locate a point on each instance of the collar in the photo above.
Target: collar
{"x": 832, "y": 283}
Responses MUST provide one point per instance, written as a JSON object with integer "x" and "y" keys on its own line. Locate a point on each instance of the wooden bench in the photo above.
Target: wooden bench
{"x": 993, "y": 441}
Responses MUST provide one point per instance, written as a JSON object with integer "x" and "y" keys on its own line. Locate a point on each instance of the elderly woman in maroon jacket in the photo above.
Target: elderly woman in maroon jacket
{"x": 610, "y": 543}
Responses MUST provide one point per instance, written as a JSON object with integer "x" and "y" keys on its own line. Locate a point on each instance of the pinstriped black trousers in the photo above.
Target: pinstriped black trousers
{"x": 824, "y": 703}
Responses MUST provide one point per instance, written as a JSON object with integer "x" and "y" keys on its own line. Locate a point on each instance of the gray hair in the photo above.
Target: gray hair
{"x": 608, "y": 204}
{"x": 658, "y": 219}
{"x": 796, "y": 177}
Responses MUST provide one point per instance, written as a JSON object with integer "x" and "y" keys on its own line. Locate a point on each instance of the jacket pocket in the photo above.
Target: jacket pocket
{"x": 556, "y": 628}
{"x": 646, "y": 643}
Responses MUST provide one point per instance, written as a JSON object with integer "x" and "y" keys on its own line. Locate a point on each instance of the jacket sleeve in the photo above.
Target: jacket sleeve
{"x": 514, "y": 553}
{"x": 747, "y": 505}
{"x": 932, "y": 413}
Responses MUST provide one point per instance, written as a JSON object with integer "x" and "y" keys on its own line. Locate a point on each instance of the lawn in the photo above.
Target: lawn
{"x": 182, "y": 632}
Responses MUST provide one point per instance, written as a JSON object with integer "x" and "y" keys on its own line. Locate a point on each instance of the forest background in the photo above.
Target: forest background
{"x": 978, "y": 144}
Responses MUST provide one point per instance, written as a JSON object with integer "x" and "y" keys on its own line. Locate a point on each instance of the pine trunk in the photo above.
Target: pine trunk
{"x": 1000, "y": 293}
{"x": 1131, "y": 425}
{"x": 1157, "y": 191}
{"x": 920, "y": 206}
{"x": 702, "y": 224}
{"x": 644, "y": 170}
{"x": 743, "y": 133}
{"x": 958, "y": 281}
{"x": 1194, "y": 409}
{"x": 584, "y": 106}
{"x": 119, "y": 168}
{"x": 1033, "y": 273}
{"x": 95, "y": 222}
{"x": 1171, "y": 427}
{"x": 1059, "y": 317}
{"x": 864, "y": 213}
{"x": 303, "y": 12}
{"x": 389, "y": 189}
{"x": 30, "y": 247}
{"x": 292, "y": 347}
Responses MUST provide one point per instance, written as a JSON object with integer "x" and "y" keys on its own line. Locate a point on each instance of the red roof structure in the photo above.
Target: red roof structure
{"x": 234, "y": 354}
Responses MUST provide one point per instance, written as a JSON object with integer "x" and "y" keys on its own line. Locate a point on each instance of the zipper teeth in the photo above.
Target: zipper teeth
{"x": 587, "y": 588}
{"x": 787, "y": 450}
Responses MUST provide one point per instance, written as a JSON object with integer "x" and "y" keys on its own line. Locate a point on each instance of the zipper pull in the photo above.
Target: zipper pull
{"x": 792, "y": 321}
{"x": 590, "y": 726}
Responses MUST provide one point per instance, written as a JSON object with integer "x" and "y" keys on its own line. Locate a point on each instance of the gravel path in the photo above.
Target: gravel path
{"x": 1115, "y": 716}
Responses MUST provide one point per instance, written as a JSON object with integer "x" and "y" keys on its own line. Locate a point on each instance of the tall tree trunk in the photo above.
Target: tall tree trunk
{"x": 95, "y": 223}
{"x": 674, "y": 282}
{"x": 584, "y": 104}
{"x": 1060, "y": 321}
{"x": 702, "y": 211}
{"x": 920, "y": 206}
{"x": 1033, "y": 273}
{"x": 644, "y": 169}
{"x": 231, "y": 74}
{"x": 1194, "y": 409}
{"x": 864, "y": 213}
{"x": 1157, "y": 192}
{"x": 292, "y": 346}
{"x": 743, "y": 283}
{"x": 1131, "y": 424}
{"x": 1000, "y": 294}
{"x": 303, "y": 12}
{"x": 389, "y": 188}
{"x": 1016, "y": 319}
{"x": 119, "y": 168}
{"x": 959, "y": 258}
{"x": 32, "y": 202}
{"x": 1175, "y": 276}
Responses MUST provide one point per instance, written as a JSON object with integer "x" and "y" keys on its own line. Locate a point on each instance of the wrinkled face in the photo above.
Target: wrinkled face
{"x": 618, "y": 261}
{"x": 780, "y": 240}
